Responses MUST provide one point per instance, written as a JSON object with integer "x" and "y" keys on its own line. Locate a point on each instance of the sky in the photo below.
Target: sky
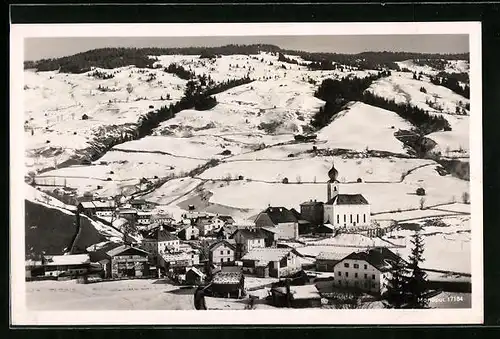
{"x": 40, "y": 48}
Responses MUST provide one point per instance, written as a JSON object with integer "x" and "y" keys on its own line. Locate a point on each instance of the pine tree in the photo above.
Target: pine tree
{"x": 417, "y": 283}
{"x": 396, "y": 295}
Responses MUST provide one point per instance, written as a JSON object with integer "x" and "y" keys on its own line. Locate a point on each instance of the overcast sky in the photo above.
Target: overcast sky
{"x": 39, "y": 48}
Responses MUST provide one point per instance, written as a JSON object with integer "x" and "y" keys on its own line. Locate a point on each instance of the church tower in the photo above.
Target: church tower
{"x": 332, "y": 174}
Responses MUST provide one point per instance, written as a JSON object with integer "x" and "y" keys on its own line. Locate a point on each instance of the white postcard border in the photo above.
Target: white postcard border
{"x": 20, "y": 315}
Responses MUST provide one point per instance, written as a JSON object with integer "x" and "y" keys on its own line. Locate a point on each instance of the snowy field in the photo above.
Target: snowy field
{"x": 383, "y": 197}
{"x": 454, "y": 143}
{"x": 308, "y": 168}
{"x": 452, "y": 66}
{"x": 402, "y": 88}
{"x": 362, "y": 126}
{"x": 172, "y": 190}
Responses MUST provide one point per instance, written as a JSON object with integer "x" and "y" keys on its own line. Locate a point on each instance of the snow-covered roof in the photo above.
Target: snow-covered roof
{"x": 305, "y": 292}
{"x": 267, "y": 254}
{"x": 69, "y": 259}
{"x": 168, "y": 257}
{"x": 348, "y": 199}
{"x": 98, "y": 204}
{"x": 196, "y": 271}
{"x": 120, "y": 249}
{"x": 330, "y": 256}
{"x": 227, "y": 278}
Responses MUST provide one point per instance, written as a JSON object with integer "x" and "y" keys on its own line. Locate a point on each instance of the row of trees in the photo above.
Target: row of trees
{"x": 336, "y": 93}
{"x": 425, "y": 122}
{"x": 140, "y": 57}
{"x": 101, "y": 75}
{"x": 180, "y": 71}
{"x": 450, "y": 81}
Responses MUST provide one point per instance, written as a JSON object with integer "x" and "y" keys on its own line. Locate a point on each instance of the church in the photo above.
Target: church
{"x": 344, "y": 210}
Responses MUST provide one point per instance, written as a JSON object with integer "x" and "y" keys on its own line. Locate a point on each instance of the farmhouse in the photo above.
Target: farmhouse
{"x": 144, "y": 218}
{"x": 222, "y": 252}
{"x": 177, "y": 262}
{"x": 226, "y": 232}
{"x": 159, "y": 241}
{"x": 271, "y": 262}
{"x": 68, "y": 265}
{"x": 222, "y": 220}
{"x": 194, "y": 276}
{"x": 367, "y": 270}
{"x": 127, "y": 261}
{"x": 281, "y": 219}
{"x": 139, "y": 204}
{"x": 247, "y": 239}
{"x": 127, "y": 213}
{"x": 97, "y": 208}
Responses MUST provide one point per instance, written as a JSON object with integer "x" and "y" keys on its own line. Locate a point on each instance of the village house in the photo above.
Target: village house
{"x": 206, "y": 226}
{"x": 139, "y": 204}
{"x": 127, "y": 213}
{"x": 188, "y": 232}
{"x": 226, "y": 232}
{"x": 247, "y": 239}
{"x": 271, "y": 262}
{"x": 177, "y": 262}
{"x": 302, "y": 296}
{"x": 144, "y": 218}
{"x": 222, "y": 252}
{"x": 34, "y": 268}
{"x": 127, "y": 261}
{"x": 159, "y": 241}
{"x": 228, "y": 282}
{"x": 162, "y": 218}
{"x": 194, "y": 276}
{"x": 326, "y": 261}
{"x": 97, "y": 208}
{"x": 222, "y": 220}
{"x": 281, "y": 219}
{"x": 68, "y": 264}
{"x": 367, "y": 270}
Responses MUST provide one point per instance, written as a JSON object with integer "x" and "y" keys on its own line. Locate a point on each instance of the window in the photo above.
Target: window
{"x": 338, "y": 217}
{"x": 339, "y": 274}
{"x": 373, "y": 285}
{"x": 373, "y": 276}
{"x": 228, "y": 259}
{"x": 340, "y": 282}
{"x": 221, "y": 259}
{"x": 228, "y": 252}
{"x": 366, "y": 266}
{"x": 346, "y": 264}
{"x": 346, "y": 274}
{"x": 364, "y": 217}
{"x": 366, "y": 276}
{"x": 221, "y": 252}
{"x": 355, "y": 275}
{"x": 351, "y": 218}
{"x": 356, "y": 266}
{"x": 344, "y": 217}
{"x": 357, "y": 218}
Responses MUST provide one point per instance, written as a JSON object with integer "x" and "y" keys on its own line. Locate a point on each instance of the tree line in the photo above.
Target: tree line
{"x": 451, "y": 81}
{"x": 141, "y": 57}
{"x": 337, "y": 93}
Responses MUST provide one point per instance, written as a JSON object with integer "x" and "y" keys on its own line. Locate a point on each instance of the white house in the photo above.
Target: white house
{"x": 248, "y": 239}
{"x": 367, "y": 270}
{"x": 271, "y": 262}
{"x": 188, "y": 232}
{"x": 144, "y": 218}
{"x": 222, "y": 252}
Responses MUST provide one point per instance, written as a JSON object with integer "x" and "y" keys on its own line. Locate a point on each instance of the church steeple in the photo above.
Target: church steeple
{"x": 332, "y": 174}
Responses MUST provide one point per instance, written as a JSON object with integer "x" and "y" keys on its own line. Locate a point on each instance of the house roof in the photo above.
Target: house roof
{"x": 137, "y": 201}
{"x": 280, "y": 215}
{"x": 157, "y": 234}
{"x": 254, "y": 233}
{"x": 379, "y": 257}
{"x": 222, "y": 242}
{"x": 311, "y": 203}
{"x": 69, "y": 259}
{"x": 348, "y": 199}
{"x": 300, "y": 292}
{"x": 330, "y": 256}
{"x": 267, "y": 254}
{"x": 168, "y": 257}
{"x": 225, "y": 218}
{"x": 120, "y": 249}
{"x": 196, "y": 271}
{"x": 224, "y": 278}
{"x": 296, "y": 213}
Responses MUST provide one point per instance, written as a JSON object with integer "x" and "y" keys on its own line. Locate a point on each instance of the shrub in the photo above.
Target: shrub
{"x": 111, "y": 172}
{"x": 85, "y": 117}
{"x": 291, "y": 155}
{"x": 240, "y": 177}
{"x": 423, "y": 90}
{"x": 359, "y": 180}
{"x": 226, "y": 152}
{"x": 285, "y": 181}
{"x": 109, "y": 179}
{"x": 421, "y": 203}
{"x": 48, "y": 141}
{"x": 151, "y": 106}
{"x": 420, "y": 191}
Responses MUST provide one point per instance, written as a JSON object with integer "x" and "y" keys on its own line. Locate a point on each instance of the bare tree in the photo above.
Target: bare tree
{"x": 298, "y": 179}
{"x": 465, "y": 197}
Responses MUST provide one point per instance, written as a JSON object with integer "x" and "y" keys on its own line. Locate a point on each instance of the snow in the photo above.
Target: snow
{"x": 383, "y": 197}
{"x": 454, "y": 143}
{"x": 172, "y": 190}
{"x": 39, "y": 197}
{"x": 311, "y": 169}
{"x": 452, "y": 66}
{"x": 402, "y": 88}
{"x": 374, "y": 123}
